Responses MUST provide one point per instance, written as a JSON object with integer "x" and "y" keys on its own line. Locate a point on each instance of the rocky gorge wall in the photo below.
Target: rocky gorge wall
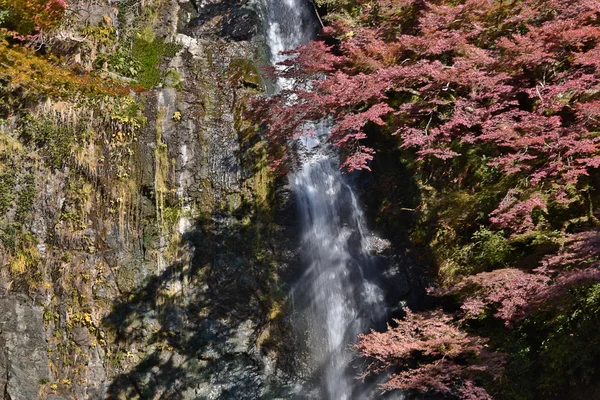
{"x": 147, "y": 251}
{"x": 142, "y": 238}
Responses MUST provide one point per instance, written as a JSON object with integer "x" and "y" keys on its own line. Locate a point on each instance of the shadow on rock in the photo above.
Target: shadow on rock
{"x": 208, "y": 326}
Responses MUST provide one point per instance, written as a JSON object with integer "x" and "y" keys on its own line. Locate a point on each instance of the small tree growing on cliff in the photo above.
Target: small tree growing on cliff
{"x": 27, "y": 19}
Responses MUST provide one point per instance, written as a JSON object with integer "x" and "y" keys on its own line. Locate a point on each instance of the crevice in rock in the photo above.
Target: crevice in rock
{"x": 194, "y": 4}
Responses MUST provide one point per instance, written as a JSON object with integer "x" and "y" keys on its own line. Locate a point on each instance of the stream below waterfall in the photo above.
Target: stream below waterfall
{"x": 336, "y": 298}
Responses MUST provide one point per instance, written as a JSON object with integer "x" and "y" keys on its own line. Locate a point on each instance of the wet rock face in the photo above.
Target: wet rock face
{"x": 233, "y": 20}
{"x": 240, "y": 24}
{"x": 206, "y": 323}
{"x": 23, "y": 358}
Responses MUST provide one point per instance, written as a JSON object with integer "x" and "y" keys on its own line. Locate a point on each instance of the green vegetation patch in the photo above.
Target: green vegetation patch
{"x": 7, "y": 191}
{"x": 143, "y": 61}
{"x": 54, "y": 140}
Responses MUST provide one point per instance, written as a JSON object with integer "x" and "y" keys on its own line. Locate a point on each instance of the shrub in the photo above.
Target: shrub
{"x": 26, "y": 19}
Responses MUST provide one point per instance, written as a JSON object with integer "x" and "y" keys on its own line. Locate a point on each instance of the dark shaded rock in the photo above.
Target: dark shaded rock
{"x": 226, "y": 19}
{"x": 240, "y": 24}
{"x": 23, "y": 358}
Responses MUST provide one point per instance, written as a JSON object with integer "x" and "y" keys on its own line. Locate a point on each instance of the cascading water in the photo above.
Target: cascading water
{"x": 336, "y": 300}
{"x": 333, "y": 300}
{"x": 289, "y": 24}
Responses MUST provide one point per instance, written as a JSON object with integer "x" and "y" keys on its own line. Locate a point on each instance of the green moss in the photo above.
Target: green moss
{"x": 26, "y": 199}
{"x": 7, "y": 191}
{"x": 8, "y": 235}
{"x": 171, "y": 215}
{"x": 139, "y": 56}
{"x": 147, "y": 52}
{"x": 245, "y": 72}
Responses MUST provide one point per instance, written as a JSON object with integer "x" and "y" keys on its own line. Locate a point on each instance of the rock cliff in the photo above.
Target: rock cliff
{"x": 142, "y": 239}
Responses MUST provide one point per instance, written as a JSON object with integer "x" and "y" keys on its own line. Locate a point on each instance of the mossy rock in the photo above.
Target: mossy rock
{"x": 245, "y": 72}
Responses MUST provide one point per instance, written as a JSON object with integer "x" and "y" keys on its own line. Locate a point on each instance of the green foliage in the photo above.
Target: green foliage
{"x": 140, "y": 57}
{"x": 127, "y": 111}
{"x": 4, "y": 14}
{"x": 570, "y": 352}
{"x": 26, "y": 199}
{"x": 122, "y": 62}
{"x": 103, "y": 33}
{"x": 54, "y": 140}
{"x": 555, "y": 355}
{"x": 26, "y": 76}
{"x": 341, "y": 9}
{"x": 7, "y": 191}
{"x": 23, "y": 257}
{"x": 171, "y": 215}
{"x": 26, "y": 18}
{"x": 485, "y": 251}
{"x": 490, "y": 250}
{"x": 147, "y": 51}
{"x": 77, "y": 194}
{"x": 8, "y": 235}
{"x": 335, "y": 3}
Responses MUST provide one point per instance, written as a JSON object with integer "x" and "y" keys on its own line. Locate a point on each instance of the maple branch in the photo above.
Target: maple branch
{"x": 317, "y": 13}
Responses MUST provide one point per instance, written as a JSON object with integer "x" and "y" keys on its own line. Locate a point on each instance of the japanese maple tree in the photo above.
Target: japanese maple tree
{"x": 521, "y": 78}
{"x": 428, "y": 352}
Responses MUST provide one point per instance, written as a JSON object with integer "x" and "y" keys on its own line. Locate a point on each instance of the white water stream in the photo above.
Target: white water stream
{"x": 333, "y": 298}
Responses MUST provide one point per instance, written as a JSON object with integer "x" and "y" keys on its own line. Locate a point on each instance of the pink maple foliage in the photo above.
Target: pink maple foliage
{"x": 518, "y": 77}
{"x": 514, "y": 294}
{"x": 515, "y": 212}
{"x": 428, "y": 352}
{"x": 581, "y": 250}
{"x": 508, "y": 290}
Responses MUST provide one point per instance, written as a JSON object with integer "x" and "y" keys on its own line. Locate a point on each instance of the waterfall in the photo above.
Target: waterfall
{"x": 338, "y": 301}
{"x": 289, "y": 24}
{"x": 333, "y": 300}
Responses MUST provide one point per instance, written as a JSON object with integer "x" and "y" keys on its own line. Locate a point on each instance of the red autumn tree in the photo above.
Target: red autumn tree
{"x": 427, "y": 352}
{"x": 519, "y": 78}
{"x": 513, "y": 294}
{"x": 515, "y": 82}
